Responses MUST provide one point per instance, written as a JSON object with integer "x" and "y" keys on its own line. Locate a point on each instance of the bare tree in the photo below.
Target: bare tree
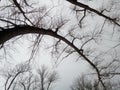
{"x": 52, "y": 78}
{"x": 22, "y": 78}
{"x": 77, "y": 37}
{"x": 85, "y": 83}
{"x": 47, "y": 78}
{"x": 13, "y": 74}
{"x": 43, "y": 75}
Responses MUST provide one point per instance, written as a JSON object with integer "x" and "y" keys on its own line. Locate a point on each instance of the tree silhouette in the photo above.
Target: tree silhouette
{"x": 13, "y": 74}
{"x": 23, "y": 17}
{"x": 83, "y": 83}
{"x": 21, "y": 77}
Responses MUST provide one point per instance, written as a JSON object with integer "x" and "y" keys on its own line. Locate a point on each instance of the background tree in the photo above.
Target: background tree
{"x": 12, "y": 75}
{"x": 23, "y": 78}
{"x": 46, "y": 77}
{"x": 85, "y": 83}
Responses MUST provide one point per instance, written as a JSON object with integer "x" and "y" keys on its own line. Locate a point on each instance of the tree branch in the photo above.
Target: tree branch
{"x": 19, "y": 7}
{"x": 95, "y": 11}
{"x": 7, "y": 34}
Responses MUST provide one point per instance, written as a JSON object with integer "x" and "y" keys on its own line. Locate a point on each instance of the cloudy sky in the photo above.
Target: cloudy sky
{"x": 68, "y": 69}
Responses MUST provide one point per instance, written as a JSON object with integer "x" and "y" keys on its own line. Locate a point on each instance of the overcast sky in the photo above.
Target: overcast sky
{"x": 68, "y": 69}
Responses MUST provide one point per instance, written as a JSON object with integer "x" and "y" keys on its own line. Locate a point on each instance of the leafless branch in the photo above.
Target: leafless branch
{"x": 93, "y": 10}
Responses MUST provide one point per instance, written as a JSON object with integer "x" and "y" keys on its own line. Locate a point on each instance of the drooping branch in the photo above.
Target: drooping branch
{"x": 94, "y": 10}
{"x": 7, "y": 34}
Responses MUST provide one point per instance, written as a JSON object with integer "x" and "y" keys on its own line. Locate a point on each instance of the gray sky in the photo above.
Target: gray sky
{"x": 69, "y": 69}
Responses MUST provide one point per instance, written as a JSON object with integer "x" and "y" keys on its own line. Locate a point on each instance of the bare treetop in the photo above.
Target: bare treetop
{"x": 76, "y": 28}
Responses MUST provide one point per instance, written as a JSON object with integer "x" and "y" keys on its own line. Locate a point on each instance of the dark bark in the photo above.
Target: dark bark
{"x": 95, "y": 11}
{"x": 7, "y": 34}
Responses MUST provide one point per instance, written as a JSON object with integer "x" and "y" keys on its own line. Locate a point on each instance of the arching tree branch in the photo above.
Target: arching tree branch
{"x": 7, "y": 34}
